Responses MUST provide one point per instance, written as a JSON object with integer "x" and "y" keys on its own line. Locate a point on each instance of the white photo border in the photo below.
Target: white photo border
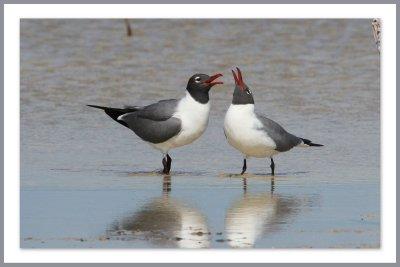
{"x": 12, "y": 16}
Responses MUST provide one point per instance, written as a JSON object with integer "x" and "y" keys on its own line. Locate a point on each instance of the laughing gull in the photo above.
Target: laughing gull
{"x": 254, "y": 134}
{"x": 165, "y": 221}
{"x": 170, "y": 123}
{"x": 256, "y": 216}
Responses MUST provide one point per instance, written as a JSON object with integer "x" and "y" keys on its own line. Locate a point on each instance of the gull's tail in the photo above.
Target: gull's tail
{"x": 114, "y": 113}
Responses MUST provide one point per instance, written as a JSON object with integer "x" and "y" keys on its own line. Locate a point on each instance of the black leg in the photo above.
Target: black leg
{"x": 165, "y": 164}
{"x": 272, "y": 185}
{"x": 272, "y": 166}
{"x": 244, "y": 167}
{"x": 167, "y": 184}
{"x": 169, "y": 161}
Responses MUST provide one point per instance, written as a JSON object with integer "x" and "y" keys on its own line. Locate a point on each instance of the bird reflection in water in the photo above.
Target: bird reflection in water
{"x": 256, "y": 215}
{"x": 165, "y": 222}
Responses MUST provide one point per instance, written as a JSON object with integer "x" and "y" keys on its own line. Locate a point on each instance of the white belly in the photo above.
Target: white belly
{"x": 194, "y": 118}
{"x": 241, "y": 128}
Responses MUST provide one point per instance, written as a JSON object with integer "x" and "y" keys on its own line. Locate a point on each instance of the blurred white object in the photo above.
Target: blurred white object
{"x": 376, "y": 30}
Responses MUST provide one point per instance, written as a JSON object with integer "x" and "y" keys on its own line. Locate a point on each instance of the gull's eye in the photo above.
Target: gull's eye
{"x": 197, "y": 79}
{"x": 248, "y": 91}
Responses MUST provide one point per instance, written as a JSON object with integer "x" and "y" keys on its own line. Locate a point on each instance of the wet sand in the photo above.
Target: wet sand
{"x": 87, "y": 182}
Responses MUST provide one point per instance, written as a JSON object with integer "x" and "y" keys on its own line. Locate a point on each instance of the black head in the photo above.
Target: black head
{"x": 242, "y": 94}
{"x": 200, "y": 84}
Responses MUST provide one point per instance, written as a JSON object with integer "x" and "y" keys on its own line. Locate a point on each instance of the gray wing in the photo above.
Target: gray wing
{"x": 284, "y": 141}
{"x": 154, "y": 123}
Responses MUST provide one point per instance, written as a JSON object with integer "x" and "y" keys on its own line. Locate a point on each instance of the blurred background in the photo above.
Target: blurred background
{"x": 88, "y": 182}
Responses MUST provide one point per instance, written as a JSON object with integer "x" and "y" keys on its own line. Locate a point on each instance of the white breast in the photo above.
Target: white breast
{"x": 194, "y": 118}
{"x": 241, "y": 127}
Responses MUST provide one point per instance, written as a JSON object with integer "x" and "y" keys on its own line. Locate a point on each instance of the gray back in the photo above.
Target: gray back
{"x": 284, "y": 141}
{"x": 160, "y": 111}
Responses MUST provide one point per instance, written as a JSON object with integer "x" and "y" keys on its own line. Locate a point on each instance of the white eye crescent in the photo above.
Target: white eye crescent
{"x": 248, "y": 91}
{"x": 197, "y": 79}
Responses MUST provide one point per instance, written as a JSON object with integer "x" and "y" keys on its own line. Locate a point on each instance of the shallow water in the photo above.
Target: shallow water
{"x": 87, "y": 182}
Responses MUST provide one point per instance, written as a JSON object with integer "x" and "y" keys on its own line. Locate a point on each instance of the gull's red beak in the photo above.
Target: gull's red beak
{"x": 238, "y": 79}
{"x": 211, "y": 80}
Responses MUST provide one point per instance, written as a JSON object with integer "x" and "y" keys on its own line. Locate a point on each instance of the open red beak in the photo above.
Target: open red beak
{"x": 210, "y": 80}
{"x": 238, "y": 78}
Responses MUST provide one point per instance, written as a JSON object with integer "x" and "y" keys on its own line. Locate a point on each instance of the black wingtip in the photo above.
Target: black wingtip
{"x": 309, "y": 143}
{"x": 99, "y": 107}
{"x": 312, "y": 144}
